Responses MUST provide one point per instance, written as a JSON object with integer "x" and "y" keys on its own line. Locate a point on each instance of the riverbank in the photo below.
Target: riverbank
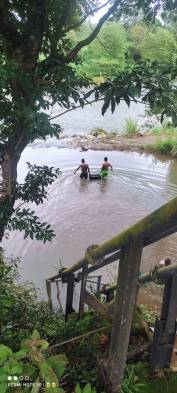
{"x": 148, "y": 142}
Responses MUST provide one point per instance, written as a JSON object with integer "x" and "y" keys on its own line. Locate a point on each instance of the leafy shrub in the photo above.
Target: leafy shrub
{"x": 164, "y": 147}
{"x": 131, "y": 127}
{"x": 130, "y": 383}
{"x": 30, "y": 361}
{"x": 87, "y": 389}
{"x": 20, "y": 311}
{"x": 98, "y": 131}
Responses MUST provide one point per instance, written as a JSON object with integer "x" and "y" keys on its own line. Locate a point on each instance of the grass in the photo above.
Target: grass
{"x": 98, "y": 131}
{"x": 166, "y": 146}
{"x": 130, "y": 128}
{"x": 166, "y": 140}
{"x": 166, "y": 384}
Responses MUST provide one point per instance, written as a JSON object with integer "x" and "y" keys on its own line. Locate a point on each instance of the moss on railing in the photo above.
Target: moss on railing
{"x": 156, "y": 225}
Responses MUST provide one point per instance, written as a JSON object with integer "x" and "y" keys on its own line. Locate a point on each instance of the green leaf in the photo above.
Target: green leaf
{"x": 5, "y": 353}
{"x": 16, "y": 368}
{"x": 58, "y": 364}
{"x": 87, "y": 389}
{"x": 35, "y": 388}
{"x": 78, "y": 389}
{"x": 35, "y": 335}
{"x": 3, "y": 387}
{"x": 20, "y": 354}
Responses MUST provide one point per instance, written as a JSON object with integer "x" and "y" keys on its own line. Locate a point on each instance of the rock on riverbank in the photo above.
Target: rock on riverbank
{"x": 107, "y": 143}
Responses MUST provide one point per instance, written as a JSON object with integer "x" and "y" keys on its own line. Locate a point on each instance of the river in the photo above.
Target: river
{"x": 84, "y": 213}
{"x": 82, "y": 121}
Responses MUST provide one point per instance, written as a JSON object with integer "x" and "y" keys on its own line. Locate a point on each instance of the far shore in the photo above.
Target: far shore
{"x": 138, "y": 143}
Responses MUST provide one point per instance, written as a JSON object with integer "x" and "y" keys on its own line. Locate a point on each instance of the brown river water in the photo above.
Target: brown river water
{"x": 84, "y": 213}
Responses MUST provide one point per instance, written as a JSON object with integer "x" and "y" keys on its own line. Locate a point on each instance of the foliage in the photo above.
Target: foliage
{"x": 107, "y": 54}
{"x": 131, "y": 127}
{"x": 155, "y": 43}
{"x": 130, "y": 383}
{"x": 167, "y": 146}
{"x": 150, "y": 82}
{"x": 87, "y": 389}
{"x": 21, "y": 311}
{"x": 30, "y": 361}
{"x": 98, "y": 131}
{"x": 34, "y": 189}
{"x": 149, "y": 315}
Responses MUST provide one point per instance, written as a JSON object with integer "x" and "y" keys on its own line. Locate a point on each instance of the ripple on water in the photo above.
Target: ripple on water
{"x": 84, "y": 213}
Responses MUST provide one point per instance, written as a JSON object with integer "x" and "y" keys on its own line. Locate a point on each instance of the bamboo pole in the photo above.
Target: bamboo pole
{"x": 157, "y": 274}
{"x": 153, "y": 227}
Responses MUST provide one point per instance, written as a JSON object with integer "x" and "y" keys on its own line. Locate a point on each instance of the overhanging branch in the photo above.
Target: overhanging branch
{"x": 71, "y": 55}
{"x": 91, "y": 12}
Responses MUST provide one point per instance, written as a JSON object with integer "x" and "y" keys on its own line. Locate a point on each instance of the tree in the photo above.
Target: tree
{"x": 37, "y": 69}
{"x": 36, "y": 72}
{"x": 107, "y": 53}
{"x": 156, "y": 44}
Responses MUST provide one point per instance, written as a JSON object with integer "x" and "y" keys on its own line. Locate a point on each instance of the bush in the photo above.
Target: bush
{"x": 131, "y": 127}
{"x": 165, "y": 130}
{"x": 98, "y": 131}
{"x": 20, "y": 311}
{"x": 164, "y": 147}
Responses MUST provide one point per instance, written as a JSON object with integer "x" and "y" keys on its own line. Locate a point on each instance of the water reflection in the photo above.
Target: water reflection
{"x": 104, "y": 184}
{"x": 83, "y": 185}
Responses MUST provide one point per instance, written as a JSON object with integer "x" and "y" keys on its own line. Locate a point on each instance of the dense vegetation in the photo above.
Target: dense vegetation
{"x": 116, "y": 45}
{"x": 29, "y": 336}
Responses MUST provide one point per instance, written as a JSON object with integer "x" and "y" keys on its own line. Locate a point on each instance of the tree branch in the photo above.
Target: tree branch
{"x": 75, "y": 107}
{"x": 92, "y": 11}
{"x": 89, "y": 103}
{"x": 71, "y": 55}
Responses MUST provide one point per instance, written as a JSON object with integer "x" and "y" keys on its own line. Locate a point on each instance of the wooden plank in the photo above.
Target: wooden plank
{"x": 172, "y": 308}
{"x": 165, "y": 328}
{"x": 99, "y": 307}
{"x": 69, "y": 295}
{"x": 123, "y": 312}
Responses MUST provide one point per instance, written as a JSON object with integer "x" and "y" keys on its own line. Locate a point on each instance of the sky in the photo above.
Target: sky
{"x": 99, "y": 14}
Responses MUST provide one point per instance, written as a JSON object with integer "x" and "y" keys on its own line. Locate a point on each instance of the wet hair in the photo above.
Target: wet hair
{"x": 82, "y": 160}
{"x": 105, "y": 158}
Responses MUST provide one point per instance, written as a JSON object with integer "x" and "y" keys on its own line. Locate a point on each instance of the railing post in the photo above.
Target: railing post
{"x": 98, "y": 287}
{"x": 83, "y": 289}
{"x": 49, "y": 293}
{"x": 69, "y": 295}
{"x": 123, "y": 312}
{"x": 109, "y": 296}
{"x": 165, "y": 328}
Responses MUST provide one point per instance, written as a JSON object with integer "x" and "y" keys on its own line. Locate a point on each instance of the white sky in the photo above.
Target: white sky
{"x": 97, "y": 16}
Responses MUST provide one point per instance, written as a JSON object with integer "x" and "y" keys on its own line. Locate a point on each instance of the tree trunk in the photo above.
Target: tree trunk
{"x": 8, "y": 188}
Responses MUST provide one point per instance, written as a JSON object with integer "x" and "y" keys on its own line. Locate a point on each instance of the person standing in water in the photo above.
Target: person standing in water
{"x": 105, "y": 167}
{"x": 85, "y": 170}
